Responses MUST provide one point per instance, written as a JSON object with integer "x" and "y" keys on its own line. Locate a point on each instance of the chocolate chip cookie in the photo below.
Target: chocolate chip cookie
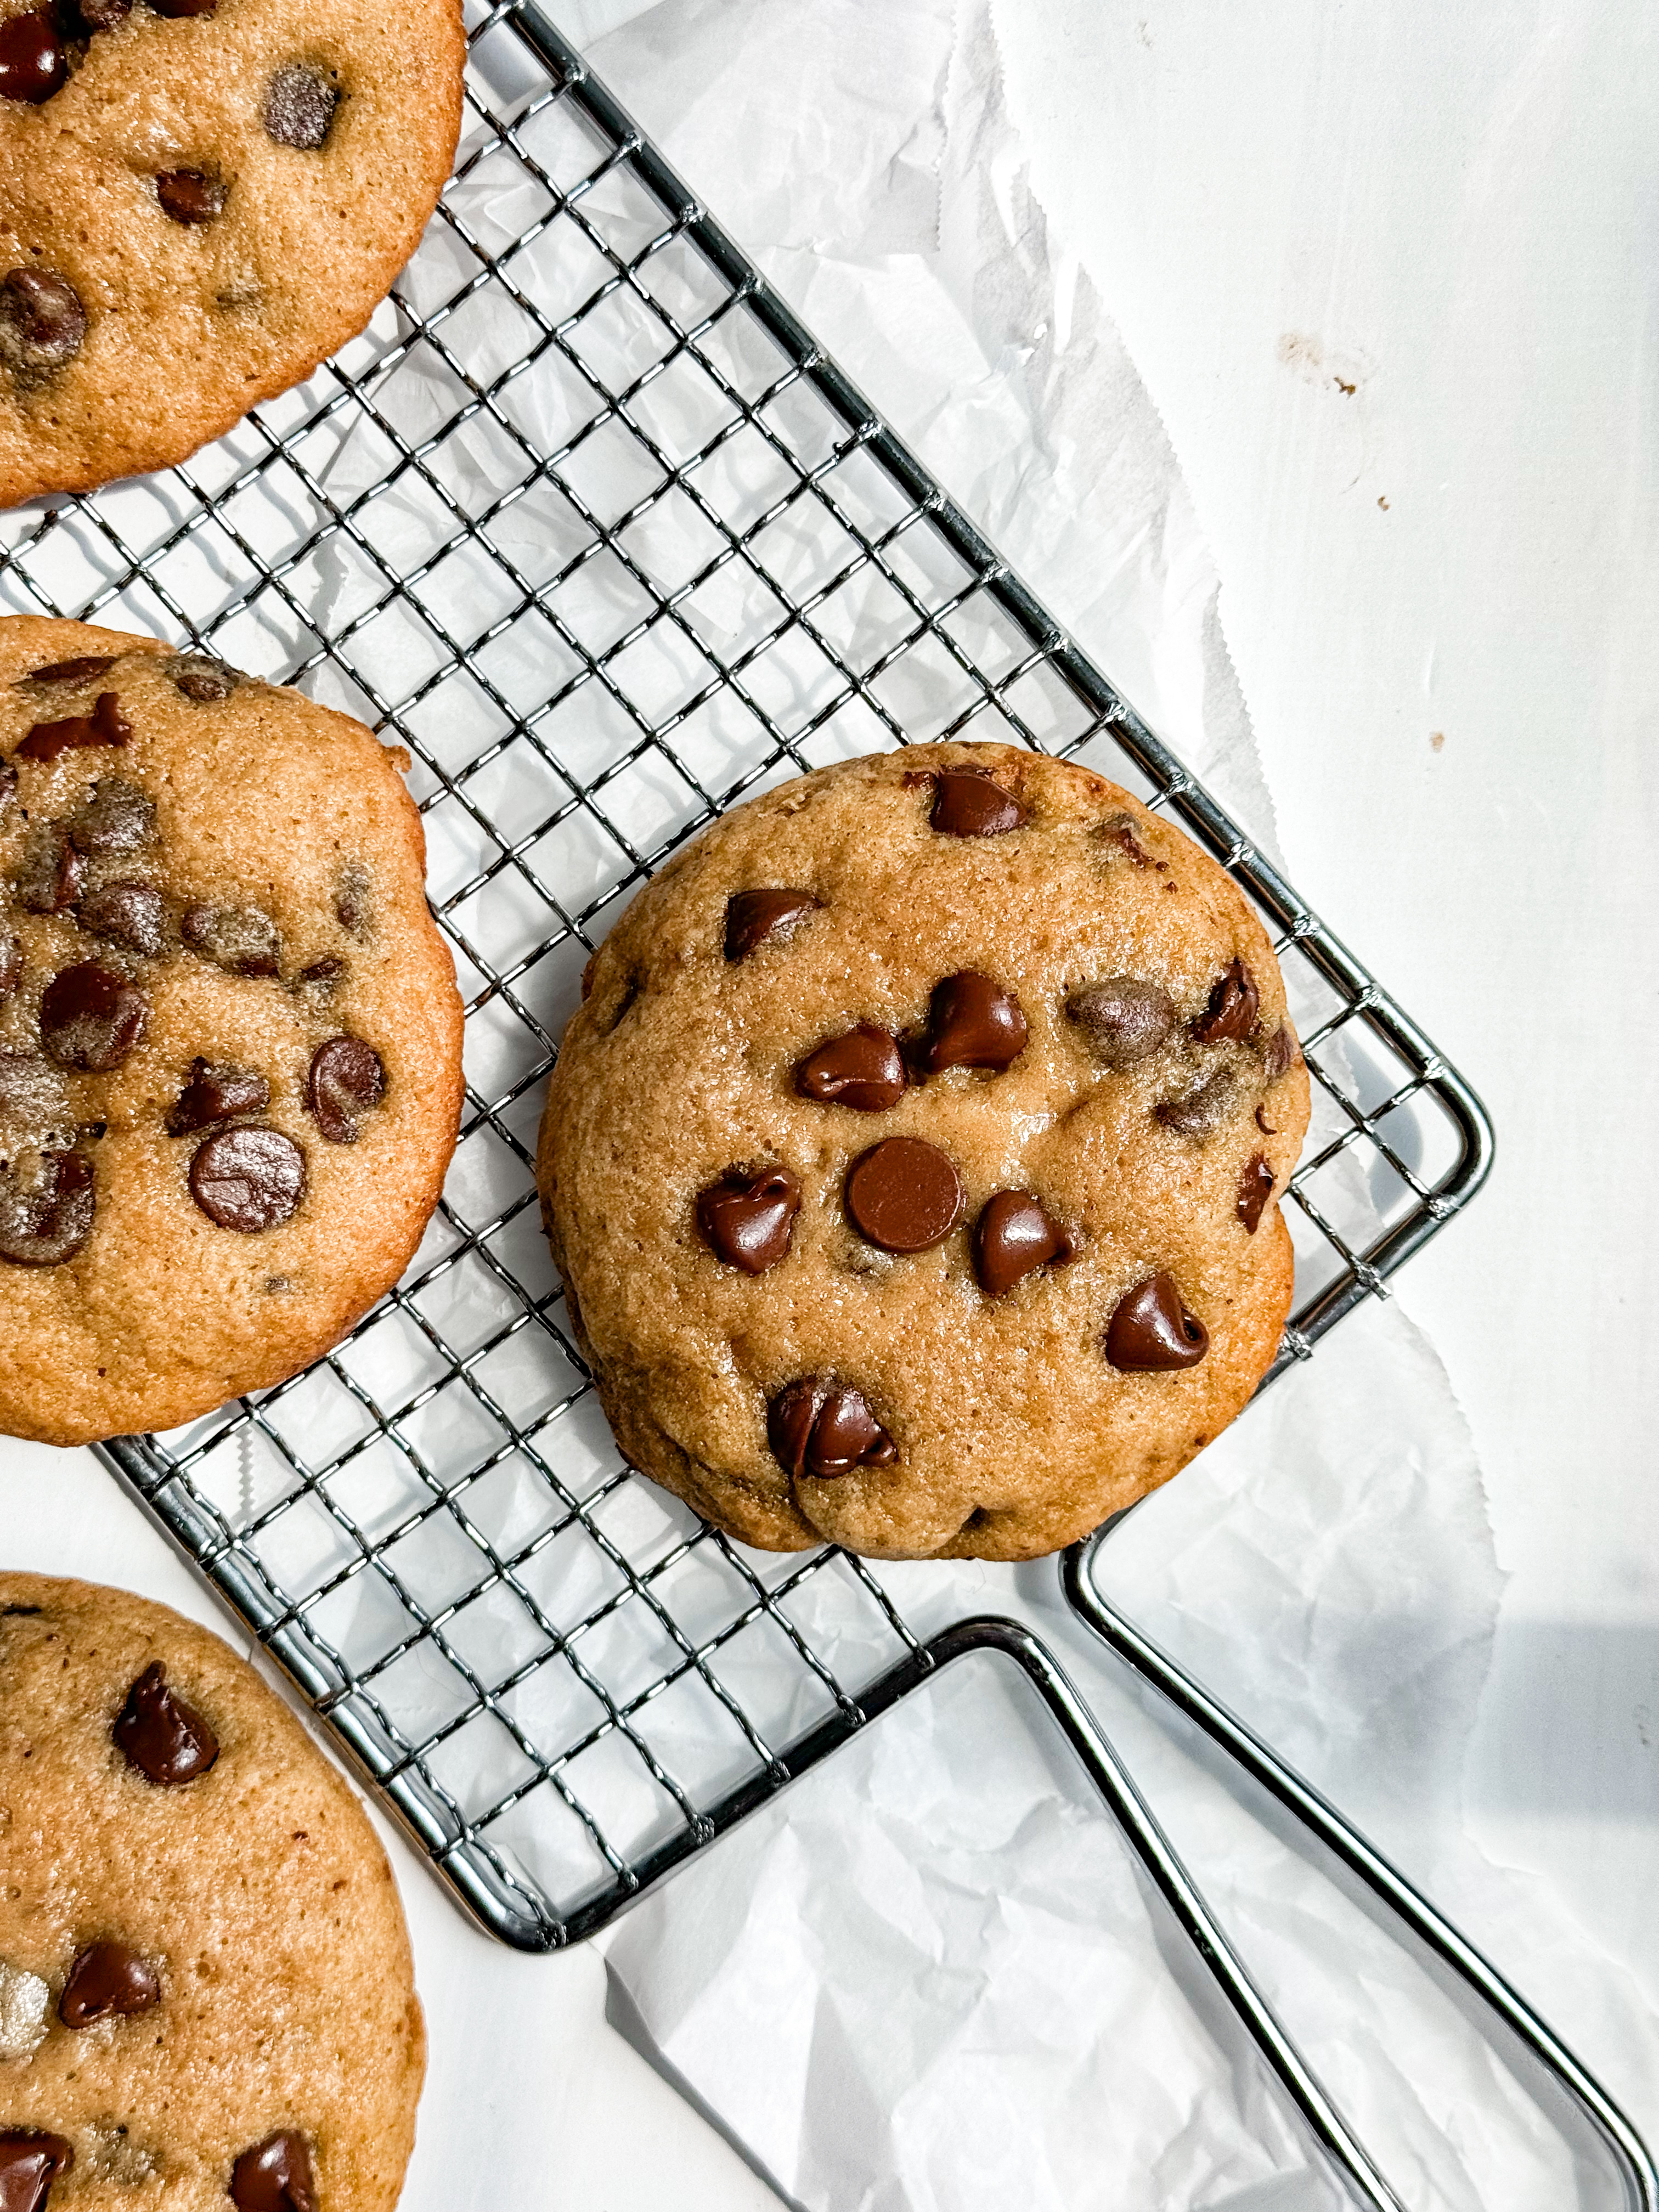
{"x": 206, "y": 1994}
{"x": 199, "y": 201}
{"x": 913, "y": 1162}
{"x": 229, "y": 1031}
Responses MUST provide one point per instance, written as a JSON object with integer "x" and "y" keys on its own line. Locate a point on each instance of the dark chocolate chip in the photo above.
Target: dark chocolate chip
{"x": 42, "y": 324}
{"x": 197, "y": 675}
{"x": 131, "y": 914}
{"x": 1201, "y": 1112}
{"x": 972, "y": 1023}
{"x": 91, "y": 1018}
{"x": 1151, "y": 1331}
{"x": 1120, "y": 831}
{"x": 789, "y": 1420}
{"x": 94, "y": 15}
{"x": 846, "y": 1435}
{"x": 863, "y": 1069}
{"x": 1013, "y": 1237}
{"x": 1280, "y": 1053}
{"x": 33, "y": 62}
{"x": 345, "y": 1079}
{"x": 165, "y": 1739}
{"x": 107, "y": 1979}
{"x": 275, "y": 2176}
{"x": 904, "y": 1195}
{"x": 968, "y": 803}
{"x": 242, "y": 939}
{"x": 746, "y": 1219}
{"x": 1232, "y": 1009}
{"x": 1255, "y": 1187}
{"x": 757, "y": 918}
{"x": 188, "y": 197}
{"x": 82, "y": 670}
{"x": 1124, "y": 1019}
{"x": 30, "y": 2161}
{"x": 299, "y": 105}
{"x": 47, "y": 1207}
{"x": 213, "y": 1095}
{"x": 328, "y": 969}
{"x": 48, "y": 881}
{"x": 248, "y": 1179}
{"x": 118, "y": 818}
{"x": 11, "y": 965}
{"x": 352, "y": 907}
{"x": 176, "y": 8}
{"x": 105, "y": 726}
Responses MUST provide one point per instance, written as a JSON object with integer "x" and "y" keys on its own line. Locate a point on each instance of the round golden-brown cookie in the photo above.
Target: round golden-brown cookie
{"x": 913, "y": 1163}
{"x": 230, "y": 1038}
{"x": 205, "y": 1979}
{"x": 199, "y": 202}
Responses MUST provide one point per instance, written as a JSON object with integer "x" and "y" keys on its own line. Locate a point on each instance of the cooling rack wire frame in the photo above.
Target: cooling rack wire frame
{"x": 589, "y": 522}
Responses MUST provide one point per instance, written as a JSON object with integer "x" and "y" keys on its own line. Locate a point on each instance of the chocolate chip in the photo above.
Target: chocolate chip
{"x": 30, "y": 2161}
{"x": 1280, "y": 1053}
{"x": 248, "y": 1179}
{"x": 968, "y": 803}
{"x": 352, "y": 907}
{"x": 47, "y": 1207}
{"x": 1232, "y": 1008}
{"x": 118, "y": 818}
{"x": 157, "y": 1732}
{"x": 972, "y": 1023}
{"x": 177, "y": 8}
{"x": 1121, "y": 832}
{"x": 49, "y": 880}
{"x": 299, "y": 105}
{"x": 42, "y": 324}
{"x": 1124, "y": 1019}
{"x": 747, "y": 1218}
{"x": 33, "y": 62}
{"x": 1255, "y": 1187}
{"x": 91, "y": 1018}
{"x": 95, "y": 16}
{"x": 1152, "y": 1331}
{"x": 1201, "y": 1112}
{"x": 214, "y": 1095}
{"x": 79, "y": 671}
{"x": 903, "y": 1195}
{"x": 105, "y": 726}
{"x": 130, "y": 915}
{"x": 826, "y": 1429}
{"x": 863, "y": 1069}
{"x": 1013, "y": 1237}
{"x": 757, "y": 918}
{"x": 188, "y": 197}
{"x": 105, "y": 1980}
{"x": 241, "y": 939}
{"x": 11, "y": 965}
{"x": 325, "y": 971}
{"x": 275, "y": 2176}
{"x": 345, "y": 1079}
{"x": 197, "y": 675}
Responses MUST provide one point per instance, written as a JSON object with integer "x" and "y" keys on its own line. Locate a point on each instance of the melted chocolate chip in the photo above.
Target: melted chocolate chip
{"x": 197, "y": 675}
{"x": 130, "y": 915}
{"x": 165, "y": 1739}
{"x": 42, "y": 324}
{"x": 1255, "y": 1187}
{"x": 91, "y": 1018}
{"x": 328, "y": 969}
{"x": 826, "y": 1429}
{"x": 47, "y": 1206}
{"x": 82, "y": 670}
{"x": 1120, "y": 831}
{"x": 972, "y": 1023}
{"x": 33, "y": 62}
{"x": 275, "y": 2176}
{"x": 903, "y": 1195}
{"x": 1232, "y": 1008}
{"x": 105, "y": 726}
{"x": 94, "y": 15}
{"x": 968, "y": 803}
{"x": 747, "y": 1218}
{"x": 789, "y": 1420}
{"x": 864, "y": 1069}
{"x": 1201, "y": 1112}
{"x": 1124, "y": 1019}
{"x": 299, "y": 105}
{"x": 1151, "y": 1331}
{"x": 213, "y": 1095}
{"x": 49, "y": 880}
{"x": 345, "y": 1079}
{"x": 187, "y": 196}
{"x": 757, "y": 918}
{"x": 241, "y": 939}
{"x": 248, "y": 1179}
{"x": 105, "y": 1980}
{"x": 1280, "y": 1053}
{"x": 1013, "y": 1237}
{"x": 11, "y": 965}
{"x": 118, "y": 818}
{"x": 176, "y": 8}
{"x": 352, "y": 907}
{"x": 30, "y": 2161}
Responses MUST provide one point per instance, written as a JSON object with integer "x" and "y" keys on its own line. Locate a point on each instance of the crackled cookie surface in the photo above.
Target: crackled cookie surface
{"x": 206, "y": 1993}
{"x": 229, "y": 1032}
{"x": 912, "y": 1162}
{"x": 199, "y": 201}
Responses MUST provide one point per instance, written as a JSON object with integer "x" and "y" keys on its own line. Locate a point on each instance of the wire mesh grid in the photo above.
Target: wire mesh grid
{"x": 588, "y": 522}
